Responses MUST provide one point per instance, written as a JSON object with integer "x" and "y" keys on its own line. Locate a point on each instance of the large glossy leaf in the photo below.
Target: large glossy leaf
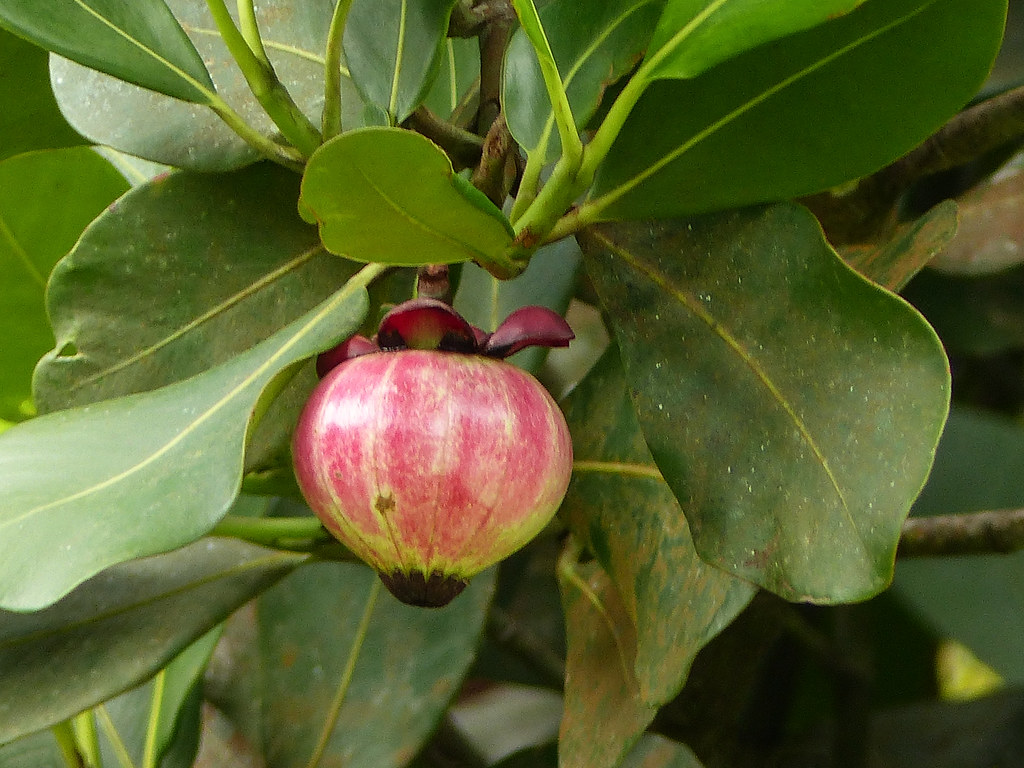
{"x": 792, "y": 406}
{"x": 457, "y": 78}
{"x": 121, "y": 627}
{"x": 801, "y": 114}
{"x": 621, "y": 507}
{"x": 141, "y": 474}
{"x": 140, "y": 42}
{"x": 29, "y": 118}
{"x": 694, "y": 35}
{"x": 37, "y": 750}
{"x": 592, "y": 47}
{"x": 390, "y": 196}
{"x": 46, "y": 200}
{"x": 371, "y": 699}
{"x": 182, "y": 274}
{"x": 168, "y": 131}
{"x": 394, "y": 50}
{"x": 977, "y": 600}
{"x": 604, "y": 712}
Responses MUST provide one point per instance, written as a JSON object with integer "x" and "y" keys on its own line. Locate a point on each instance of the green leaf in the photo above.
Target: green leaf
{"x": 147, "y": 720}
{"x": 37, "y": 750}
{"x": 619, "y": 505}
{"x": 694, "y": 35}
{"x": 224, "y": 257}
{"x": 162, "y": 129}
{"x": 121, "y": 627}
{"x": 457, "y": 79}
{"x": 46, "y": 200}
{"x": 389, "y": 196}
{"x": 370, "y": 699}
{"x": 140, "y": 42}
{"x": 144, "y": 473}
{"x": 767, "y": 124}
{"x": 394, "y": 50}
{"x": 792, "y": 406}
{"x": 976, "y": 600}
{"x": 592, "y": 48}
{"x": 604, "y": 712}
{"x": 29, "y": 118}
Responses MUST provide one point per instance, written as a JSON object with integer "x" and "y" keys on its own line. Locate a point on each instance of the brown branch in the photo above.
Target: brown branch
{"x": 494, "y": 37}
{"x": 497, "y": 171}
{"x": 462, "y": 147}
{"x": 863, "y": 214}
{"x": 999, "y": 531}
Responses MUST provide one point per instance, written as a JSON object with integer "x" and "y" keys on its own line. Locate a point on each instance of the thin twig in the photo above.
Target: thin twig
{"x": 462, "y": 147}
{"x": 494, "y": 37}
{"x": 866, "y": 211}
{"x": 999, "y": 531}
{"x": 496, "y": 173}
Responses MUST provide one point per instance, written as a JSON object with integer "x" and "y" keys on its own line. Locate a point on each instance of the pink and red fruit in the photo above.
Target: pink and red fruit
{"x": 432, "y": 465}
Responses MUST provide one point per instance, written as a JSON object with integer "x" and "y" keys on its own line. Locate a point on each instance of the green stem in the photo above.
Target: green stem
{"x": 116, "y": 742}
{"x": 250, "y": 29}
{"x": 346, "y": 677}
{"x": 555, "y": 197}
{"x": 88, "y": 741}
{"x": 64, "y": 733}
{"x": 572, "y": 145}
{"x": 529, "y": 184}
{"x": 265, "y": 86}
{"x": 331, "y": 123}
{"x": 274, "y": 532}
{"x": 149, "y": 755}
{"x": 280, "y": 154}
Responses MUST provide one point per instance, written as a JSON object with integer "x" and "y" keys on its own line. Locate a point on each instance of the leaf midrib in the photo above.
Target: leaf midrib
{"x": 202, "y": 88}
{"x": 193, "y": 425}
{"x": 759, "y": 372}
{"x": 210, "y": 314}
{"x": 99, "y": 618}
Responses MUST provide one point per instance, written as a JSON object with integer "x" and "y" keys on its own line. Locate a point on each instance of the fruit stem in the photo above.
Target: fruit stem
{"x": 84, "y": 727}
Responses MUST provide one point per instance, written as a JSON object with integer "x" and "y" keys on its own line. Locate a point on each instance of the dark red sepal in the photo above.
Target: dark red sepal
{"x": 353, "y": 347}
{"x": 426, "y": 324}
{"x": 526, "y": 327}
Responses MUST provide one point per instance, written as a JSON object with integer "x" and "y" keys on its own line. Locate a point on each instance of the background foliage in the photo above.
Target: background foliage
{"x": 725, "y": 199}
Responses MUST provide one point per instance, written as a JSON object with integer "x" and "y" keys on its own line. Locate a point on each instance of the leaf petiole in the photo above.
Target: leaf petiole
{"x": 86, "y": 738}
{"x": 331, "y": 121}
{"x": 251, "y": 30}
{"x": 263, "y": 82}
{"x": 572, "y": 145}
{"x": 64, "y": 734}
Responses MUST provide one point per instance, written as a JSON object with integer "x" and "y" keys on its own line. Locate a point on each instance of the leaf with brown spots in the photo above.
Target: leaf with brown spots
{"x": 621, "y": 507}
{"x": 792, "y": 406}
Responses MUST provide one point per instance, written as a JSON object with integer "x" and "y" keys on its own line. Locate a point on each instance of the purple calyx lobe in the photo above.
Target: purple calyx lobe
{"x": 432, "y": 324}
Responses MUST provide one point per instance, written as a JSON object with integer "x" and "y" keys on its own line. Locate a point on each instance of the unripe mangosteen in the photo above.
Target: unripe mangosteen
{"x": 429, "y": 456}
